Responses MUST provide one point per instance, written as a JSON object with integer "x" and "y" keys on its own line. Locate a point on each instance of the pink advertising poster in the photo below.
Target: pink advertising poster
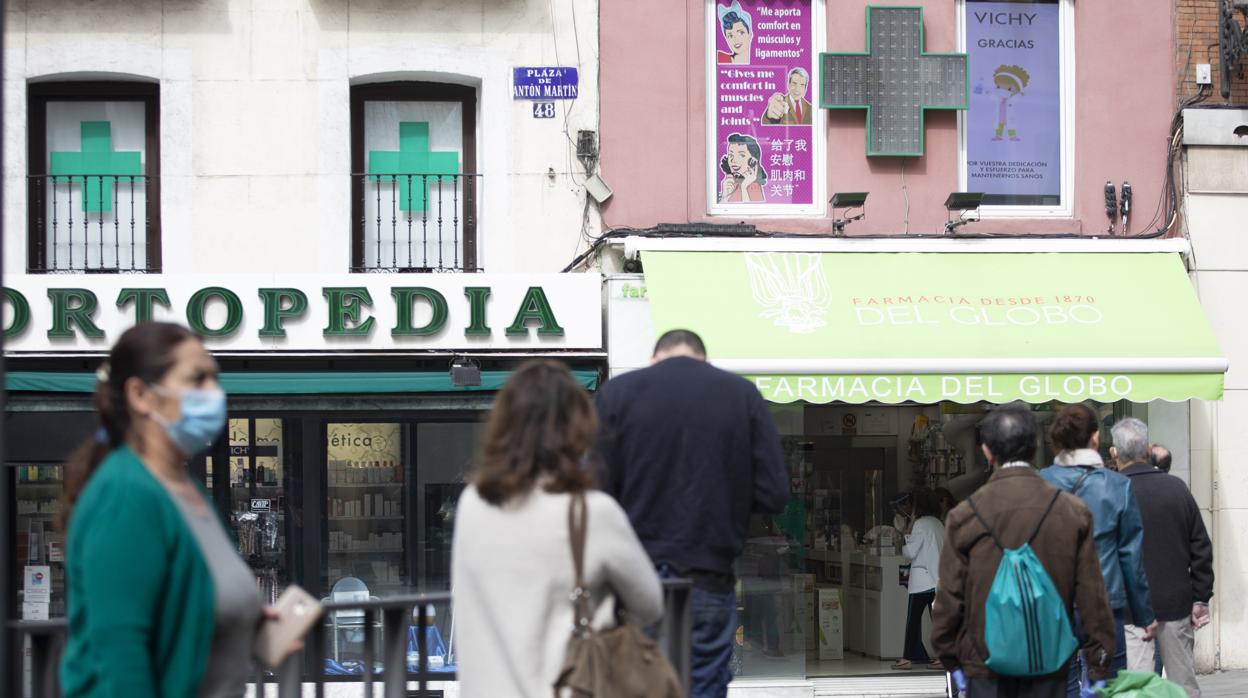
{"x": 762, "y": 64}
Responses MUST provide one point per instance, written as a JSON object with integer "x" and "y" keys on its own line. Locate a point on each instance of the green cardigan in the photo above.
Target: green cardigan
{"x": 141, "y": 600}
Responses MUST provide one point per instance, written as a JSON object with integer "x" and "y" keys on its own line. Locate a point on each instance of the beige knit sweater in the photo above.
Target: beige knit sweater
{"x": 511, "y": 576}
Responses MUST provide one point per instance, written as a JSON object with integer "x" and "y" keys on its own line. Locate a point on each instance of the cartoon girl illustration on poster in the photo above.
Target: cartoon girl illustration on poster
{"x": 744, "y": 179}
{"x": 738, "y": 28}
{"x": 1009, "y": 81}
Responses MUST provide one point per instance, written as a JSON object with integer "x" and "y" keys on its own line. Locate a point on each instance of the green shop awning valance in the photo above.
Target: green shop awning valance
{"x": 293, "y": 382}
{"x": 927, "y": 327}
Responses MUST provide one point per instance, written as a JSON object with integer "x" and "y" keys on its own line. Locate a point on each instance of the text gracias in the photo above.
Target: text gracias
{"x": 1016, "y": 19}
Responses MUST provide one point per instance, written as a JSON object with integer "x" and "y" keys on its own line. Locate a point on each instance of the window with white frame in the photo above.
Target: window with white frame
{"x": 1016, "y": 135}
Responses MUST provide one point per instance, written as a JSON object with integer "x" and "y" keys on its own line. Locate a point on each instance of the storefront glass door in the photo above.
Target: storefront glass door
{"x": 258, "y": 499}
{"x": 445, "y": 457}
{"x": 40, "y": 545}
{"x": 253, "y": 484}
{"x": 390, "y": 494}
{"x": 824, "y": 584}
{"x": 366, "y": 506}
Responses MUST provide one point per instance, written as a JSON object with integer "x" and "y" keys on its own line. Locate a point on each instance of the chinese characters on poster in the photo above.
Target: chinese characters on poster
{"x": 763, "y": 103}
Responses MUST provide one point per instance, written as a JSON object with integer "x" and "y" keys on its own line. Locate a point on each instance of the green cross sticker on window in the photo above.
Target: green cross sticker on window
{"x": 412, "y": 158}
{"x": 100, "y": 165}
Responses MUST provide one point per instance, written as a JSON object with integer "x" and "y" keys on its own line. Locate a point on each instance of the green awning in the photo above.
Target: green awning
{"x": 292, "y": 382}
{"x": 927, "y": 327}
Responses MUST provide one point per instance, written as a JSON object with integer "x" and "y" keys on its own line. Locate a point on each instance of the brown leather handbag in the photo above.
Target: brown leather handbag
{"x": 621, "y": 662}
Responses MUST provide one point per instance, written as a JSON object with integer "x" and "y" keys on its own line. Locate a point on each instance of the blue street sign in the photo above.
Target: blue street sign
{"x": 544, "y": 83}
{"x": 543, "y": 110}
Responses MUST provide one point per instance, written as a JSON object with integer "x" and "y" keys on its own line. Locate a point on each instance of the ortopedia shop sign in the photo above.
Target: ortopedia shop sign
{"x": 477, "y": 312}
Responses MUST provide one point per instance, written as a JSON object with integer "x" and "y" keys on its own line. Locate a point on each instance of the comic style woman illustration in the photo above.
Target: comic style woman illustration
{"x": 744, "y": 177}
{"x": 738, "y": 28}
{"x": 1009, "y": 81}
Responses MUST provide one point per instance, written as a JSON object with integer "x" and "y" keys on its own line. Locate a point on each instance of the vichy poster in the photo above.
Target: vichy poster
{"x": 1013, "y": 125}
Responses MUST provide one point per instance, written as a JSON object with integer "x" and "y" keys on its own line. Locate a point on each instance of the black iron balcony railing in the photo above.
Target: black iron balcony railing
{"x": 414, "y": 222}
{"x": 93, "y": 223}
{"x": 388, "y": 640}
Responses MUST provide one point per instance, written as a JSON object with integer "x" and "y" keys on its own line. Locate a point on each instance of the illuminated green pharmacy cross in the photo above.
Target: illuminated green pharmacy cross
{"x": 895, "y": 81}
{"x": 97, "y": 158}
{"x": 412, "y": 158}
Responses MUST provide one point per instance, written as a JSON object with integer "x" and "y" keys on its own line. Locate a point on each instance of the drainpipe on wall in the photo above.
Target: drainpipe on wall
{"x": 8, "y": 673}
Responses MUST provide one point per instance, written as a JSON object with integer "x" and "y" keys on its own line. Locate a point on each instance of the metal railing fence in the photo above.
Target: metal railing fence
{"x": 91, "y": 223}
{"x": 415, "y": 222}
{"x": 382, "y": 650}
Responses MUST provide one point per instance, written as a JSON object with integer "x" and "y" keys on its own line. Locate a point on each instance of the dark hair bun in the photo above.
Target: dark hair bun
{"x": 1073, "y": 428}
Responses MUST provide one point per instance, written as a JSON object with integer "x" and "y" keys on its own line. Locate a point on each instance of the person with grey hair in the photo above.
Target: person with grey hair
{"x": 1130, "y": 437}
{"x": 1174, "y": 534}
{"x": 791, "y": 108}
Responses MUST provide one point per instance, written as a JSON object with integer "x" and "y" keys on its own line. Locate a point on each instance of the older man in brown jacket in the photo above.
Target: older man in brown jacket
{"x": 1012, "y": 502}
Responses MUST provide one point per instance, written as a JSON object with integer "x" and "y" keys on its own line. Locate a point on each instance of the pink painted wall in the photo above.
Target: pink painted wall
{"x": 654, "y": 121}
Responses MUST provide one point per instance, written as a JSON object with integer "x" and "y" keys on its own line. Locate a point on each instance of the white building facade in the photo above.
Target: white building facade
{"x": 254, "y": 107}
{"x": 1216, "y": 198}
{"x": 344, "y": 198}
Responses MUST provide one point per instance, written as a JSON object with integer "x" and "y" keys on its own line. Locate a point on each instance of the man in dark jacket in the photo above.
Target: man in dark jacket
{"x": 1178, "y": 560}
{"x": 1013, "y": 502}
{"x": 691, "y": 452}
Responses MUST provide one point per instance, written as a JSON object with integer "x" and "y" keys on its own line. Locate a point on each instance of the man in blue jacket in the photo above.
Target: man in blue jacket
{"x": 1119, "y": 529}
{"x": 690, "y": 452}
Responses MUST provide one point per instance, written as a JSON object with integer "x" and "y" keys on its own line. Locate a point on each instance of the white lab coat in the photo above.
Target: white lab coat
{"x": 922, "y": 549}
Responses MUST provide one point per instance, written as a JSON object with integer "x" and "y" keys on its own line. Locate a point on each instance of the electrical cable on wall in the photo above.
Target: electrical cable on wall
{"x": 709, "y": 230}
{"x": 1170, "y": 196}
{"x": 590, "y": 164}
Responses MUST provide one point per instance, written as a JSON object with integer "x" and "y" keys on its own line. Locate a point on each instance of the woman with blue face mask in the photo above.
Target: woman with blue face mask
{"x": 160, "y": 603}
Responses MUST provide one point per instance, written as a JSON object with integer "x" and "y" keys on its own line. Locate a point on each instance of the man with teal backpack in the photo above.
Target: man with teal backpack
{"x": 1018, "y": 555}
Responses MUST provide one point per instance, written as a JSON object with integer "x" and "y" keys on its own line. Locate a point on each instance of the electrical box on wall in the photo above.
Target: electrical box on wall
{"x": 1204, "y": 74}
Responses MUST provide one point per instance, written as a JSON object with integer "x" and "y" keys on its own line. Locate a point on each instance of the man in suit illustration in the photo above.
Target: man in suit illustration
{"x": 791, "y": 108}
